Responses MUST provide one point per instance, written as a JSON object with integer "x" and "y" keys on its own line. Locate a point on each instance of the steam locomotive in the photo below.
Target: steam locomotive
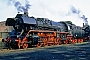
{"x": 29, "y": 31}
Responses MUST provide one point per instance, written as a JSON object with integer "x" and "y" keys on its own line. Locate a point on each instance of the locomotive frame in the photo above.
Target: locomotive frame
{"x": 29, "y": 31}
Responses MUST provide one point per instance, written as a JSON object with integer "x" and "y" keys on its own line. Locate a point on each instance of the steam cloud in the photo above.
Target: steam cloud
{"x": 19, "y": 6}
{"x": 73, "y": 10}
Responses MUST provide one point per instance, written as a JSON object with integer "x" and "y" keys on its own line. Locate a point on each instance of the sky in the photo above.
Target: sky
{"x": 55, "y": 10}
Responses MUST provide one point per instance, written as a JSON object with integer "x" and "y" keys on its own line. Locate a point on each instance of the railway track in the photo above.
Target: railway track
{"x": 6, "y": 51}
{"x": 79, "y": 51}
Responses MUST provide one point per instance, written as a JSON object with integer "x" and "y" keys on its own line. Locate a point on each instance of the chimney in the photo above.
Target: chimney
{"x": 18, "y": 12}
{"x": 26, "y": 13}
{"x": 83, "y": 24}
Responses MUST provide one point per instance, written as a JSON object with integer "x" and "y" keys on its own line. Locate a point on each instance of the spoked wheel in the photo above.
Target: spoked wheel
{"x": 57, "y": 42}
{"x": 60, "y": 42}
{"x": 25, "y": 45}
{"x": 19, "y": 44}
{"x": 45, "y": 42}
{"x": 39, "y": 44}
{"x": 75, "y": 40}
{"x": 81, "y": 40}
{"x": 66, "y": 41}
{"x": 13, "y": 45}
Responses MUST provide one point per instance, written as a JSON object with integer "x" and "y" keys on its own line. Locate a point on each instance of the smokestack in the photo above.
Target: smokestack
{"x": 85, "y": 19}
{"x": 83, "y": 24}
{"x": 26, "y": 13}
{"x": 18, "y": 12}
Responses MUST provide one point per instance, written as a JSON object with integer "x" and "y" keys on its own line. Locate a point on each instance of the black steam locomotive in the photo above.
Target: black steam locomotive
{"x": 22, "y": 23}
